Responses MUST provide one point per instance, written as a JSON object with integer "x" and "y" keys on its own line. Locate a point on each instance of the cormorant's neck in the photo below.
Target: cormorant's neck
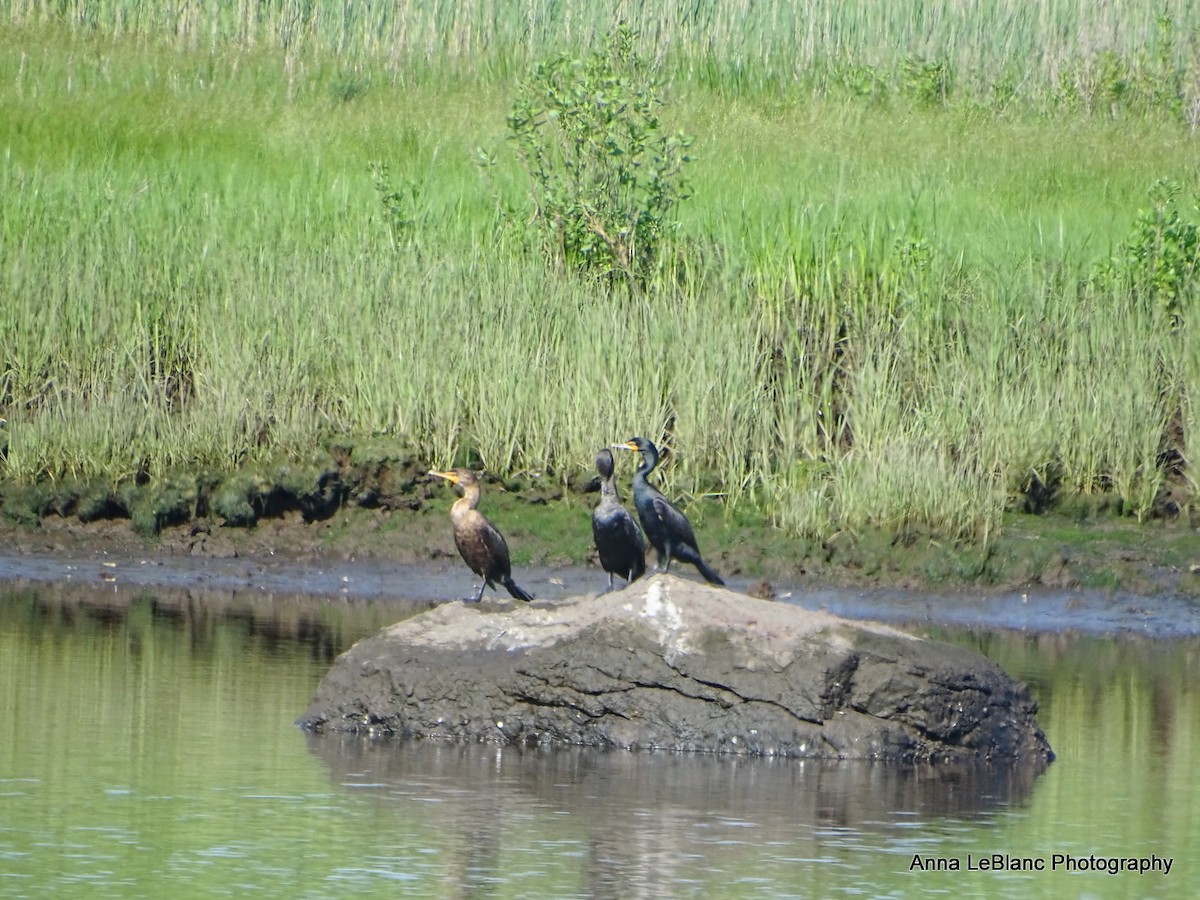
{"x": 608, "y": 487}
{"x": 649, "y": 461}
{"x": 469, "y": 499}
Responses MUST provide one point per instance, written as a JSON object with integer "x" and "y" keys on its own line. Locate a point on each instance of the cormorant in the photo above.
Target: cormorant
{"x": 481, "y": 546}
{"x": 667, "y": 528}
{"x": 618, "y": 539}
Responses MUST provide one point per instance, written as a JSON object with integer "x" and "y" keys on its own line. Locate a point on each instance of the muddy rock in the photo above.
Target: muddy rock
{"x": 676, "y": 665}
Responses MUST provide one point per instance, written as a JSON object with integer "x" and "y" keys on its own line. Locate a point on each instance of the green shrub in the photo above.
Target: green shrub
{"x": 926, "y": 81}
{"x": 401, "y": 206}
{"x": 1160, "y": 260}
{"x": 606, "y": 174}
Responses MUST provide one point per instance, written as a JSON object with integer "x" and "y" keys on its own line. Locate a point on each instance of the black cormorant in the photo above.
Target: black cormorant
{"x": 667, "y": 528}
{"x": 618, "y": 539}
{"x": 481, "y": 546}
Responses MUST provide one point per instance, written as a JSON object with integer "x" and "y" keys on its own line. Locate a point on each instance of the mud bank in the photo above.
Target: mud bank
{"x": 123, "y": 573}
{"x": 381, "y": 505}
{"x": 390, "y": 539}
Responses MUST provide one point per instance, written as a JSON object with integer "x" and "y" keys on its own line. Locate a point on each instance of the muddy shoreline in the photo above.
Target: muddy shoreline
{"x": 316, "y": 563}
{"x": 376, "y": 503}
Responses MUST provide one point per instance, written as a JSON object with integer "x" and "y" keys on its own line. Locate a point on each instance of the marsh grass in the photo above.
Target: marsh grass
{"x": 875, "y": 315}
{"x": 1096, "y": 56}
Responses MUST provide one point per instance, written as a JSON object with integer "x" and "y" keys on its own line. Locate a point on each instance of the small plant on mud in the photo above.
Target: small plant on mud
{"x": 606, "y": 175}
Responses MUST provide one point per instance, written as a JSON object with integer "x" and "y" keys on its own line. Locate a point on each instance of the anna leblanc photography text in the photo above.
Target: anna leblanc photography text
{"x": 1057, "y": 862}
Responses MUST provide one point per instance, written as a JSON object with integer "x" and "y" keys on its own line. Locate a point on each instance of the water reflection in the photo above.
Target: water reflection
{"x": 1134, "y": 686}
{"x": 644, "y": 824}
{"x": 650, "y": 824}
{"x": 272, "y": 622}
{"x": 770, "y": 792}
{"x": 148, "y": 747}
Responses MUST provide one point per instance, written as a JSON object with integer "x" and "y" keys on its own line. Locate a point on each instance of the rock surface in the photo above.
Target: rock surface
{"x": 676, "y": 665}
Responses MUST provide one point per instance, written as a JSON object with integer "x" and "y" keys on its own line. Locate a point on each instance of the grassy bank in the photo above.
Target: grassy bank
{"x": 891, "y": 304}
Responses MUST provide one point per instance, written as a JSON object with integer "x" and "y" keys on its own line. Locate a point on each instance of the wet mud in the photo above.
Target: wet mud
{"x": 117, "y": 572}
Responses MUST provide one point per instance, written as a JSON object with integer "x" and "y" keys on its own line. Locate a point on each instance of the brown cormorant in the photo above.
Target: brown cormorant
{"x": 481, "y": 546}
{"x": 618, "y": 539}
{"x": 667, "y": 528}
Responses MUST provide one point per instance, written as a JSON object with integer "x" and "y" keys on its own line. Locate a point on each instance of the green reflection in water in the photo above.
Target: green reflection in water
{"x": 152, "y": 744}
{"x": 148, "y": 749}
{"x": 1123, "y": 716}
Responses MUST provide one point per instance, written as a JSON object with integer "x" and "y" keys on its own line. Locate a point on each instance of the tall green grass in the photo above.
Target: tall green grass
{"x": 1094, "y": 52}
{"x": 875, "y": 315}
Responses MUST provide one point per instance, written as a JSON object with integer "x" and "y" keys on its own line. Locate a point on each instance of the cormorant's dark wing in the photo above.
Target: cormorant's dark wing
{"x": 632, "y": 531}
{"x": 637, "y": 543}
{"x": 497, "y": 550}
{"x": 676, "y": 522}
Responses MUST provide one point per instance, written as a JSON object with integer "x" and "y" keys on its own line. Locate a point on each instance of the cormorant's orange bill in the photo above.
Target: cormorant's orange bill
{"x": 451, "y": 477}
{"x": 628, "y": 445}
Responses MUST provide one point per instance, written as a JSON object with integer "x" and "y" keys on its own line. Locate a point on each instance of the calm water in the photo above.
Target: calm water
{"x": 148, "y": 750}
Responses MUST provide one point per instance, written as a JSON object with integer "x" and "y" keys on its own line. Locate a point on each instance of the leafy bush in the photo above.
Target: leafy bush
{"x": 606, "y": 175}
{"x": 1160, "y": 260}
{"x": 926, "y": 81}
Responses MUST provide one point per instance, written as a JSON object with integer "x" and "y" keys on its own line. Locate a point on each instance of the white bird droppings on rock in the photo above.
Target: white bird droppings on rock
{"x": 664, "y": 615}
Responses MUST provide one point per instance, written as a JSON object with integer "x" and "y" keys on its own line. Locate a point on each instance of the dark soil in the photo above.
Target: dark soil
{"x": 1032, "y": 551}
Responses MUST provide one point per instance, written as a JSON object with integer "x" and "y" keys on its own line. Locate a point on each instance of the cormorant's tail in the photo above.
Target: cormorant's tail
{"x": 517, "y": 591}
{"x": 709, "y": 575}
{"x": 689, "y": 554}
